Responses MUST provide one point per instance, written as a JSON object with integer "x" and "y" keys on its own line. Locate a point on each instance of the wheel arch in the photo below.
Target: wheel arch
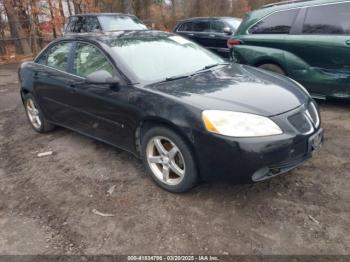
{"x": 24, "y": 91}
{"x": 271, "y": 61}
{"x": 150, "y": 122}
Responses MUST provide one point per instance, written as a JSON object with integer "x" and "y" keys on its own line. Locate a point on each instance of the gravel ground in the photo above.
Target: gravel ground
{"x": 46, "y": 204}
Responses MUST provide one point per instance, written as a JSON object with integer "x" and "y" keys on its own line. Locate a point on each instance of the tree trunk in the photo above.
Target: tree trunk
{"x": 69, "y": 7}
{"x": 60, "y": 5}
{"x": 38, "y": 40}
{"x": 21, "y": 43}
{"x": 173, "y": 12}
{"x": 53, "y": 24}
{"x": 127, "y": 6}
{"x": 77, "y": 7}
{"x": 2, "y": 35}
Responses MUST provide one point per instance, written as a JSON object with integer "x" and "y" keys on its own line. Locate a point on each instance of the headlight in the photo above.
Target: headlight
{"x": 238, "y": 124}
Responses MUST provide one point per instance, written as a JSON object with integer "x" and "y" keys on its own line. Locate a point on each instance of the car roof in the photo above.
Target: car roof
{"x": 209, "y": 17}
{"x": 297, "y": 3}
{"x": 100, "y": 14}
{"x": 256, "y": 15}
{"x": 114, "y": 35}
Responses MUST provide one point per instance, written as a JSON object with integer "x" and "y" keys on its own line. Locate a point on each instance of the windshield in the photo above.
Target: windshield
{"x": 117, "y": 22}
{"x": 164, "y": 56}
{"x": 234, "y": 23}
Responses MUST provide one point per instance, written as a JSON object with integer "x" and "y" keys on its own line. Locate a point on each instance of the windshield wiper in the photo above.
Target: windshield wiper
{"x": 172, "y": 78}
{"x": 211, "y": 66}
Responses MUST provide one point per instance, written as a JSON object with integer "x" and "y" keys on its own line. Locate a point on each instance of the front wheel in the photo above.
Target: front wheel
{"x": 169, "y": 160}
{"x": 35, "y": 115}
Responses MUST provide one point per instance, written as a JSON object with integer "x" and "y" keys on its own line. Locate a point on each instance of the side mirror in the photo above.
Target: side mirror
{"x": 228, "y": 31}
{"x": 102, "y": 77}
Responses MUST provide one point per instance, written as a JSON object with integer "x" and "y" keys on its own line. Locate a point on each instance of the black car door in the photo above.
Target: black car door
{"x": 218, "y": 38}
{"x": 103, "y": 109}
{"x": 51, "y": 82}
{"x": 186, "y": 30}
{"x": 201, "y": 31}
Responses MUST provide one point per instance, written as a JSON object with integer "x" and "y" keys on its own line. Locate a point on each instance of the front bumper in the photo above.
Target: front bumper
{"x": 247, "y": 160}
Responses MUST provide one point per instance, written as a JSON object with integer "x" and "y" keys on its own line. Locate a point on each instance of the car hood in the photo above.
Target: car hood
{"x": 237, "y": 88}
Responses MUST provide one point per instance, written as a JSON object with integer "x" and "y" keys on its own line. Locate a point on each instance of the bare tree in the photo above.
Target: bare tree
{"x": 69, "y": 7}
{"x": 52, "y": 14}
{"x": 17, "y": 32}
{"x": 128, "y": 6}
{"x": 60, "y": 5}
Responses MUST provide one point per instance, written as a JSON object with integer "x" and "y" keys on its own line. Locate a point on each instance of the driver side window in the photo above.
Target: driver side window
{"x": 89, "y": 59}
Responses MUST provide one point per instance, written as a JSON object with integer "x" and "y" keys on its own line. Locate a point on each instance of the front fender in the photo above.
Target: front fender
{"x": 25, "y": 76}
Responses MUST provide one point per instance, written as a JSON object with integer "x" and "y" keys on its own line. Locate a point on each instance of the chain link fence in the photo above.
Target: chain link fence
{"x": 34, "y": 37}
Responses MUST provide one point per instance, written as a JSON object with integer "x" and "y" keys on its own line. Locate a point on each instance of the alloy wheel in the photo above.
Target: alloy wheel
{"x": 165, "y": 160}
{"x": 33, "y": 113}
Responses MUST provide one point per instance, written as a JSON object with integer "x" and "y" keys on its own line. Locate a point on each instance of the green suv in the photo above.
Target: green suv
{"x": 308, "y": 41}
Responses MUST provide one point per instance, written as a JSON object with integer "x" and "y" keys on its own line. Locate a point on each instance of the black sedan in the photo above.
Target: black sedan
{"x": 188, "y": 114}
{"x": 214, "y": 33}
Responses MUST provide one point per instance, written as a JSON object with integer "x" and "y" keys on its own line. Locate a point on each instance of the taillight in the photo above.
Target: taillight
{"x": 232, "y": 42}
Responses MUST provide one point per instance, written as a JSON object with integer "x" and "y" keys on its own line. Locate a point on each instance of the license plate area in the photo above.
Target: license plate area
{"x": 315, "y": 141}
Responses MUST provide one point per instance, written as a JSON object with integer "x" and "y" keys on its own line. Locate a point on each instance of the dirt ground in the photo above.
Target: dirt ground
{"x": 46, "y": 203}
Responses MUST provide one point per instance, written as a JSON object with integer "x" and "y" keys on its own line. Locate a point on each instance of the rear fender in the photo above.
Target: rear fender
{"x": 255, "y": 55}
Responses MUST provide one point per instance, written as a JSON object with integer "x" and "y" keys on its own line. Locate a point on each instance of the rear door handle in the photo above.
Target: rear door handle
{"x": 36, "y": 75}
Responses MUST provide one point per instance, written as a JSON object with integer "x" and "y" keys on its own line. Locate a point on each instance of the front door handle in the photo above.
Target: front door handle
{"x": 72, "y": 88}
{"x": 347, "y": 42}
{"x": 37, "y": 75}
{"x": 190, "y": 34}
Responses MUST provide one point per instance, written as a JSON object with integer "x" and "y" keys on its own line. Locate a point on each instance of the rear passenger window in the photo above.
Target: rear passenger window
{"x": 201, "y": 26}
{"x": 186, "y": 27}
{"x": 70, "y": 24}
{"x": 277, "y": 23}
{"x": 91, "y": 24}
{"x": 57, "y": 56}
{"x": 75, "y": 24}
{"x": 328, "y": 20}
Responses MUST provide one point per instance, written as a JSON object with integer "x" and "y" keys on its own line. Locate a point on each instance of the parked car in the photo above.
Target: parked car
{"x": 186, "y": 112}
{"x": 210, "y": 32}
{"x": 308, "y": 41}
{"x": 102, "y": 22}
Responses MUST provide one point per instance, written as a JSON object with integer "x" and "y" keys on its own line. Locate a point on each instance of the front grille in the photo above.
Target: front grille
{"x": 307, "y": 120}
{"x": 300, "y": 122}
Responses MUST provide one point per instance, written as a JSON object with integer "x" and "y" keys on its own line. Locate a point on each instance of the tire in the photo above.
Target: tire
{"x": 273, "y": 68}
{"x": 180, "y": 167}
{"x": 39, "y": 124}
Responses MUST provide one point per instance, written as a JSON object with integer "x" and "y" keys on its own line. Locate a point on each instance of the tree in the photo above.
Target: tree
{"x": 53, "y": 24}
{"x": 127, "y": 6}
{"x": 243, "y": 7}
{"x": 17, "y": 32}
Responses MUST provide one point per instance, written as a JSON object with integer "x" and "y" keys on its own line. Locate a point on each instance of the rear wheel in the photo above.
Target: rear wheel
{"x": 35, "y": 116}
{"x": 273, "y": 68}
{"x": 169, "y": 160}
